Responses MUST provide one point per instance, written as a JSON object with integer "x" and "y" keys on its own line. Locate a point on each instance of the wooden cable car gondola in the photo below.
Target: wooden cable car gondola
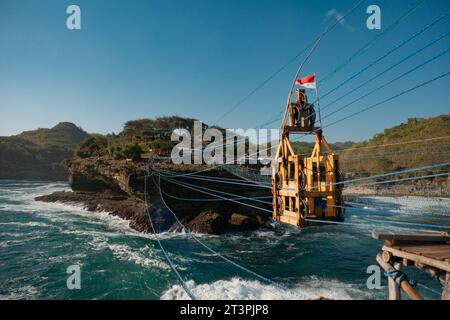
{"x": 304, "y": 188}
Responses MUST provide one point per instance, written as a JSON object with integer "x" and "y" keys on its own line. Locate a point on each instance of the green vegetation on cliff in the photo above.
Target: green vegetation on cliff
{"x": 149, "y": 136}
{"x": 416, "y": 143}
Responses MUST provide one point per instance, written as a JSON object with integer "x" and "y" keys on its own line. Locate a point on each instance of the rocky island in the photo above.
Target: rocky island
{"x": 117, "y": 187}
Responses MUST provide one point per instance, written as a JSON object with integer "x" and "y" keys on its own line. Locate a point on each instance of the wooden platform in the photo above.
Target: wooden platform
{"x": 428, "y": 252}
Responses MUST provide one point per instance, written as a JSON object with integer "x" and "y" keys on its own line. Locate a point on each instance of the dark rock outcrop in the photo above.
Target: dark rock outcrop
{"x": 129, "y": 208}
{"x": 117, "y": 186}
{"x": 98, "y": 175}
{"x": 205, "y": 222}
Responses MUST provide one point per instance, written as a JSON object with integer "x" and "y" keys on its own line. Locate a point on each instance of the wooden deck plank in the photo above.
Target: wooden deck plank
{"x": 438, "y": 251}
{"x": 427, "y": 248}
{"x": 444, "y": 254}
{"x": 444, "y": 237}
{"x": 424, "y": 249}
{"x": 435, "y": 256}
{"x": 421, "y": 258}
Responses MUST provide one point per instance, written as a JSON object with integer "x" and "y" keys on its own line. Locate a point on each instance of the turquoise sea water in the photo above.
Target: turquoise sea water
{"x": 39, "y": 241}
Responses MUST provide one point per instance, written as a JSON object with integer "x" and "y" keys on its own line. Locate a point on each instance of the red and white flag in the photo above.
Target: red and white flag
{"x": 307, "y": 82}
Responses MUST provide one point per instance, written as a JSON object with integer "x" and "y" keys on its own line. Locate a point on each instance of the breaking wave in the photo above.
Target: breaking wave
{"x": 146, "y": 256}
{"x": 21, "y": 293}
{"x": 240, "y": 289}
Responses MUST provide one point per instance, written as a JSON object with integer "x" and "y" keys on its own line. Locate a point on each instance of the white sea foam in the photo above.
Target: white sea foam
{"x": 408, "y": 204}
{"x": 27, "y": 224}
{"x": 21, "y": 235}
{"x": 144, "y": 256}
{"x": 22, "y": 240}
{"x": 22, "y": 293}
{"x": 113, "y": 222}
{"x": 237, "y": 288}
{"x": 64, "y": 212}
{"x": 333, "y": 289}
{"x": 73, "y": 258}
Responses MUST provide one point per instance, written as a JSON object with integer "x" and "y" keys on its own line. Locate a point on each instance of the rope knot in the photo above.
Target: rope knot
{"x": 400, "y": 276}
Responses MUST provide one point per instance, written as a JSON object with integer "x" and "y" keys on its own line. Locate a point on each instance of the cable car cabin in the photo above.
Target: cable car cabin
{"x": 305, "y": 187}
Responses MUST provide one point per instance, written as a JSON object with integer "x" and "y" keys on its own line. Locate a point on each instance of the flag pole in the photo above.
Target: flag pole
{"x": 318, "y": 103}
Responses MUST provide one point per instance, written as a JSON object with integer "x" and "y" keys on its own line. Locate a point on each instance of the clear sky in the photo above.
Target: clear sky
{"x": 197, "y": 58}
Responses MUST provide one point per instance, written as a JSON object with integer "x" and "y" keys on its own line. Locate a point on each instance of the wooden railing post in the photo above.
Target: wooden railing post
{"x": 394, "y": 289}
{"x": 393, "y": 294}
{"x": 446, "y": 290}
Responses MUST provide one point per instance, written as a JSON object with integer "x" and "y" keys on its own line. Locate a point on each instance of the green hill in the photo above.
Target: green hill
{"x": 306, "y": 148}
{"x": 63, "y": 135}
{"x": 416, "y": 143}
{"x": 38, "y": 154}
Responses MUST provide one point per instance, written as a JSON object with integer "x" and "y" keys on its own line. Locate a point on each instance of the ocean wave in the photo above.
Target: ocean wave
{"x": 144, "y": 256}
{"x": 317, "y": 287}
{"x": 71, "y": 212}
{"x": 112, "y": 221}
{"x": 29, "y": 238}
{"x": 36, "y": 207}
{"x": 28, "y": 194}
{"x": 27, "y": 224}
{"x": 233, "y": 289}
{"x": 22, "y": 293}
{"x": 410, "y": 205}
{"x": 20, "y": 234}
{"x": 73, "y": 258}
{"x": 240, "y": 289}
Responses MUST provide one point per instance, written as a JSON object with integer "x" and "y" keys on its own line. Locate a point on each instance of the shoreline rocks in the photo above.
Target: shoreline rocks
{"x": 125, "y": 207}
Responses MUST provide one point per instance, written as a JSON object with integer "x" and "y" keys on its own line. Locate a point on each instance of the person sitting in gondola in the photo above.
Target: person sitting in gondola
{"x": 303, "y": 113}
{"x": 311, "y": 118}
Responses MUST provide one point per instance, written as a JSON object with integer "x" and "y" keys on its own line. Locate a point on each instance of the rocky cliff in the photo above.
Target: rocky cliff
{"x": 117, "y": 186}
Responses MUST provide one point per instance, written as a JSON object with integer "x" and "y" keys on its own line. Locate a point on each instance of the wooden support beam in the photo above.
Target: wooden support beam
{"x": 446, "y": 290}
{"x": 404, "y": 285}
{"x": 443, "y": 237}
{"x": 394, "y": 289}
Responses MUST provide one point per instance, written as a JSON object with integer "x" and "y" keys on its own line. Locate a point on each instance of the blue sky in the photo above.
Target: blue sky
{"x": 198, "y": 58}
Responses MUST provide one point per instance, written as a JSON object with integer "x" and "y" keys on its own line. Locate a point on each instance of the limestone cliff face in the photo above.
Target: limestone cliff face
{"x": 117, "y": 186}
{"x": 106, "y": 185}
{"x": 98, "y": 175}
